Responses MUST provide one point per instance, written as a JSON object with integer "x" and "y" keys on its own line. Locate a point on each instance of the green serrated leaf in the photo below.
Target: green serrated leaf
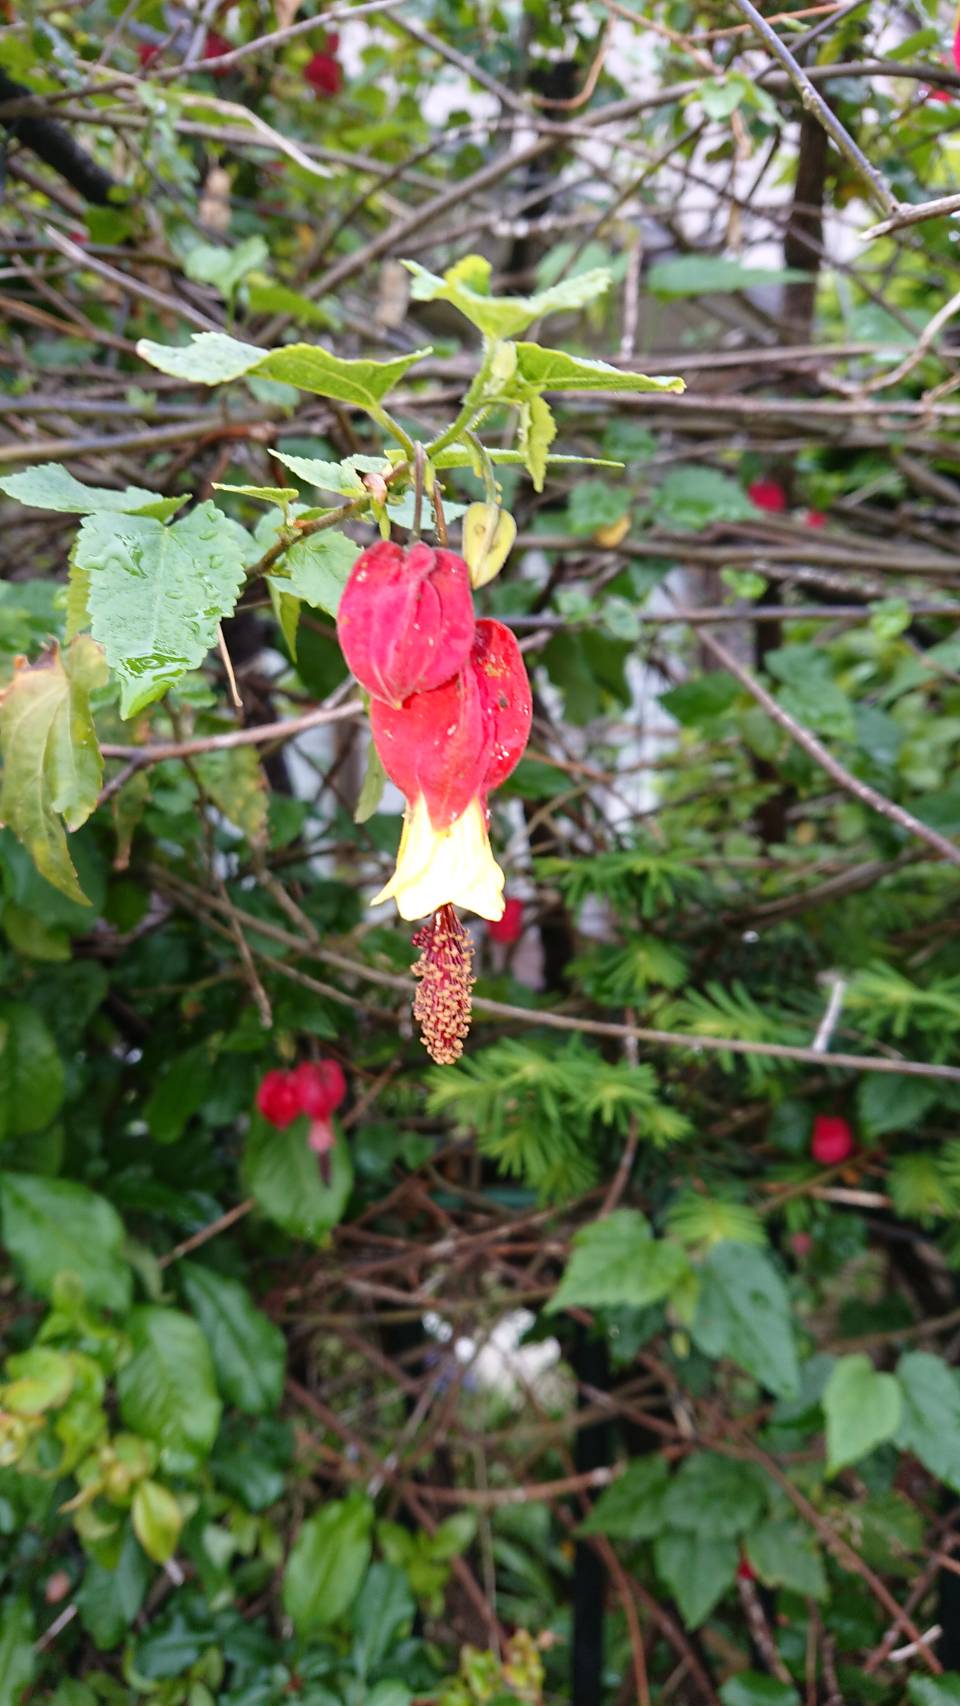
{"x": 157, "y": 594}
{"x": 930, "y": 1420}
{"x": 466, "y": 287}
{"x": 49, "y": 486}
{"x": 555, "y": 370}
{"x": 862, "y": 1408}
{"x": 697, "y": 1572}
{"x": 52, "y": 767}
{"x": 326, "y": 476}
{"x": 32, "y": 1078}
{"x": 538, "y": 429}
{"x": 617, "y": 1262}
{"x": 743, "y": 1312}
{"x": 266, "y": 494}
{"x": 784, "y": 1554}
{"x": 225, "y": 269}
{"x": 317, "y": 569}
{"x": 212, "y": 358}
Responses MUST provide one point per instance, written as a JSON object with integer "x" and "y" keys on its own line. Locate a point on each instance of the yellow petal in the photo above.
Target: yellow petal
{"x": 437, "y": 867}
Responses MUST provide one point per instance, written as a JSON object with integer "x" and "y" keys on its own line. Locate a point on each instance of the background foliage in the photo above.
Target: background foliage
{"x": 266, "y": 1435}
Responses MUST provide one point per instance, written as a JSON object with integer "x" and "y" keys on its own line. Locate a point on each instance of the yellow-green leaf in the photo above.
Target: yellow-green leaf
{"x": 157, "y": 1520}
{"x": 52, "y": 768}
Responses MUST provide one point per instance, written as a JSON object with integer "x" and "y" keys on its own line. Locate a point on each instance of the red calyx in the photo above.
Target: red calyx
{"x": 509, "y": 928}
{"x": 405, "y": 622}
{"x": 215, "y": 47}
{"x": 315, "y": 1088}
{"x": 324, "y": 72}
{"x": 321, "y": 1087}
{"x": 278, "y": 1099}
{"x": 815, "y": 518}
{"x": 801, "y": 1244}
{"x": 832, "y": 1140}
{"x": 460, "y": 741}
{"x": 746, "y": 1571}
{"x": 767, "y": 494}
{"x": 147, "y": 53}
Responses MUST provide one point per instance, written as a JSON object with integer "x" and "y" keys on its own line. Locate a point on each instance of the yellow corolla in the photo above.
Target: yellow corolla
{"x": 440, "y": 867}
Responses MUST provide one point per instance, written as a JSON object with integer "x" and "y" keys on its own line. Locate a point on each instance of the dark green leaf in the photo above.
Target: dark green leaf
{"x": 935, "y": 1690}
{"x": 31, "y": 1071}
{"x": 109, "y": 1600}
{"x": 752, "y": 1688}
{"x": 55, "y": 1226}
{"x": 889, "y": 1102}
{"x": 784, "y": 1554}
{"x": 17, "y": 1659}
{"x": 249, "y": 1352}
{"x": 714, "y": 1497}
{"x": 632, "y": 1507}
{"x": 702, "y": 698}
{"x": 283, "y": 1173}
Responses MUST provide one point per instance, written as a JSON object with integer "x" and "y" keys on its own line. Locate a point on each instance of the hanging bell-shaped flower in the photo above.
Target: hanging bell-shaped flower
{"x": 405, "y": 622}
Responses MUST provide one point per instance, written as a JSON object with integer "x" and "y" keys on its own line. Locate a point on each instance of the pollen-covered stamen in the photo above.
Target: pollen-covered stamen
{"x": 441, "y": 1005}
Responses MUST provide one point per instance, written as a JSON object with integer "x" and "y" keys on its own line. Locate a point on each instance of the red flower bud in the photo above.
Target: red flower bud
{"x": 801, "y": 1244}
{"x": 278, "y": 1099}
{"x": 815, "y": 518}
{"x": 146, "y": 53}
{"x": 509, "y": 928}
{"x": 214, "y": 47}
{"x": 323, "y": 72}
{"x": 832, "y": 1141}
{"x": 320, "y": 1086}
{"x": 956, "y": 46}
{"x": 745, "y": 1571}
{"x": 767, "y": 494}
{"x": 457, "y": 743}
{"x": 405, "y": 622}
